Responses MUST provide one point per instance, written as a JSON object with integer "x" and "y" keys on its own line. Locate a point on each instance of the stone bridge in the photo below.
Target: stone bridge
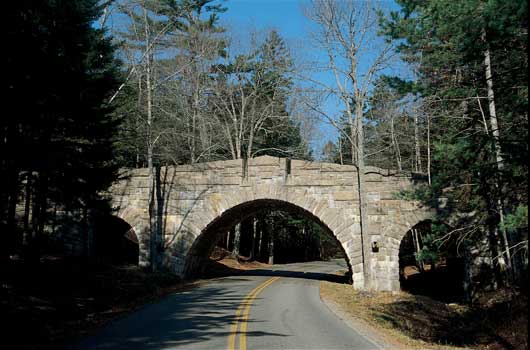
{"x": 199, "y": 203}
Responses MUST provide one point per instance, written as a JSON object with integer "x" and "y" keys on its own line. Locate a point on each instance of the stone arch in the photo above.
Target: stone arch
{"x": 407, "y": 246}
{"x": 113, "y": 239}
{"x": 204, "y": 243}
{"x": 181, "y": 236}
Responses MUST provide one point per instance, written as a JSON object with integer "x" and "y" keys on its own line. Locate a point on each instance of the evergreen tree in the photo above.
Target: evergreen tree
{"x": 60, "y": 139}
{"x": 390, "y": 128}
{"x": 472, "y": 68}
{"x": 279, "y": 135}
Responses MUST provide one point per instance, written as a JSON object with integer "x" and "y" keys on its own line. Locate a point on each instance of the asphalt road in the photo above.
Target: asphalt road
{"x": 269, "y": 309}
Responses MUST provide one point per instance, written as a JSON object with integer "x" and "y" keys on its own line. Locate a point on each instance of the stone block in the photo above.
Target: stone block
{"x": 373, "y": 196}
{"x": 375, "y": 210}
{"x": 304, "y": 165}
{"x": 372, "y": 177}
{"x": 345, "y": 196}
{"x": 337, "y": 168}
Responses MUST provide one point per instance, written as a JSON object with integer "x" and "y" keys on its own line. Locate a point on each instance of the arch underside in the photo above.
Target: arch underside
{"x": 206, "y": 241}
{"x": 216, "y": 210}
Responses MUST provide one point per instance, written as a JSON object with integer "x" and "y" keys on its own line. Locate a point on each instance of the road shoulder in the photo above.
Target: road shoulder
{"x": 374, "y": 315}
{"x": 374, "y": 335}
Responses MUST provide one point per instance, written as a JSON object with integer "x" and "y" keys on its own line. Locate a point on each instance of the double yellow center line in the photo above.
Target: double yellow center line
{"x": 241, "y": 317}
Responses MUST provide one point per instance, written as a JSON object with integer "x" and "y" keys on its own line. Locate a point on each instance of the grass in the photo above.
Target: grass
{"x": 419, "y": 322}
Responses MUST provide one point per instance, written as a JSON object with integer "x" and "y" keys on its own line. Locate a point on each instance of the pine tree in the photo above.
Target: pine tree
{"x": 473, "y": 81}
{"x": 280, "y": 134}
{"x": 63, "y": 131}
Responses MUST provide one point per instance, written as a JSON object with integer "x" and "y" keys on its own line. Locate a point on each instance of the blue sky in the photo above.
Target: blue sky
{"x": 286, "y": 16}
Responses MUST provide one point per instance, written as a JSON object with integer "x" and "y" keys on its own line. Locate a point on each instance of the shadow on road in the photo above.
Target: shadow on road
{"x": 216, "y": 269}
{"x": 181, "y": 320}
{"x": 297, "y": 274}
{"x": 200, "y": 317}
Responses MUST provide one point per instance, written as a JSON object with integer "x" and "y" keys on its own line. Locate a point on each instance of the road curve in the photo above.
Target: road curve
{"x": 269, "y": 309}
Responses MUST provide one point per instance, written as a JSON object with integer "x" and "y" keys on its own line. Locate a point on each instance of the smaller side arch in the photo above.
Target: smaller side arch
{"x": 114, "y": 240}
{"x": 386, "y": 273}
{"x": 139, "y": 228}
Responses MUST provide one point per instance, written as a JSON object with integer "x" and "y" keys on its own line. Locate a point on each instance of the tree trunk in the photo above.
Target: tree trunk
{"x": 255, "y": 239}
{"x": 226, "y": 242}
{"x": 395, "y": 144}
{"x": 85, "y": 224}
{"x": 231, "y": 238}
{"x": 27, "y": 207}
{"x": 340, "y": 152}
{"x": 150, "y": 167}
{"x": 416, "y": 242}
{"x": 497, "y": 149}
{"x": 271, "y": 248}
{"x": 138, "y": 121}
{"x": 429, "y": 150}
{"x": 354, "y": 140}
{"x": 13, "y": 185}
{"x": 264, "y": 240}
{"x": 259, "y": 238}
{"x": 417, "y": 148}
{"x": 365, "y": 232}
{"x": 38, "y": 217}
{"x": 491, "y": 104}
{"x": 237, "y": 240}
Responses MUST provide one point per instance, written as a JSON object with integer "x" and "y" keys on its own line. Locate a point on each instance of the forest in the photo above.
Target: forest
{"x": 167, "y": 84}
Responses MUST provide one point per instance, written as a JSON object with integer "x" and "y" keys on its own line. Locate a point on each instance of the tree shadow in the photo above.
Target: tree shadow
{"x": 179, "y": 320}
{"x": 217, "y": 269}
{"x": 441, "y": 284}
{"x": 432, "y": 321}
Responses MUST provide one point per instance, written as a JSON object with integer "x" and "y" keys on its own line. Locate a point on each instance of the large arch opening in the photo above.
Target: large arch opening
{"x": 218, "y": 232}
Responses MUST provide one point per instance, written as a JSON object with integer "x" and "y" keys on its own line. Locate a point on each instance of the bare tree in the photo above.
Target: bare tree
{"x": 347, "y": 34}
{"x": 495, "y": 130}
{"x": 246, "y": 99}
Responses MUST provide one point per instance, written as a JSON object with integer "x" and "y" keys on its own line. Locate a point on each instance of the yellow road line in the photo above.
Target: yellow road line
{"x": 241, "y": 316}
{"x": 244, "y": 318}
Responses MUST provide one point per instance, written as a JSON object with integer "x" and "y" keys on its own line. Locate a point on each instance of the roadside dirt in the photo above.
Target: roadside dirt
{"x": 222, "y": 263}
{"x": 405, "y": 321}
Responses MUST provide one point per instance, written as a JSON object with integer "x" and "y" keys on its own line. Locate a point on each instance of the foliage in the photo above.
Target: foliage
{"x": 170, "y": 47}
{"x": 517, "y": 220}
{"x": 422, "y": 193}
{"x": 446, "y": 43}
{"x": 298, "y": 238}
{"x": 60, "y": 139}
{"x": 429, "y": 251}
